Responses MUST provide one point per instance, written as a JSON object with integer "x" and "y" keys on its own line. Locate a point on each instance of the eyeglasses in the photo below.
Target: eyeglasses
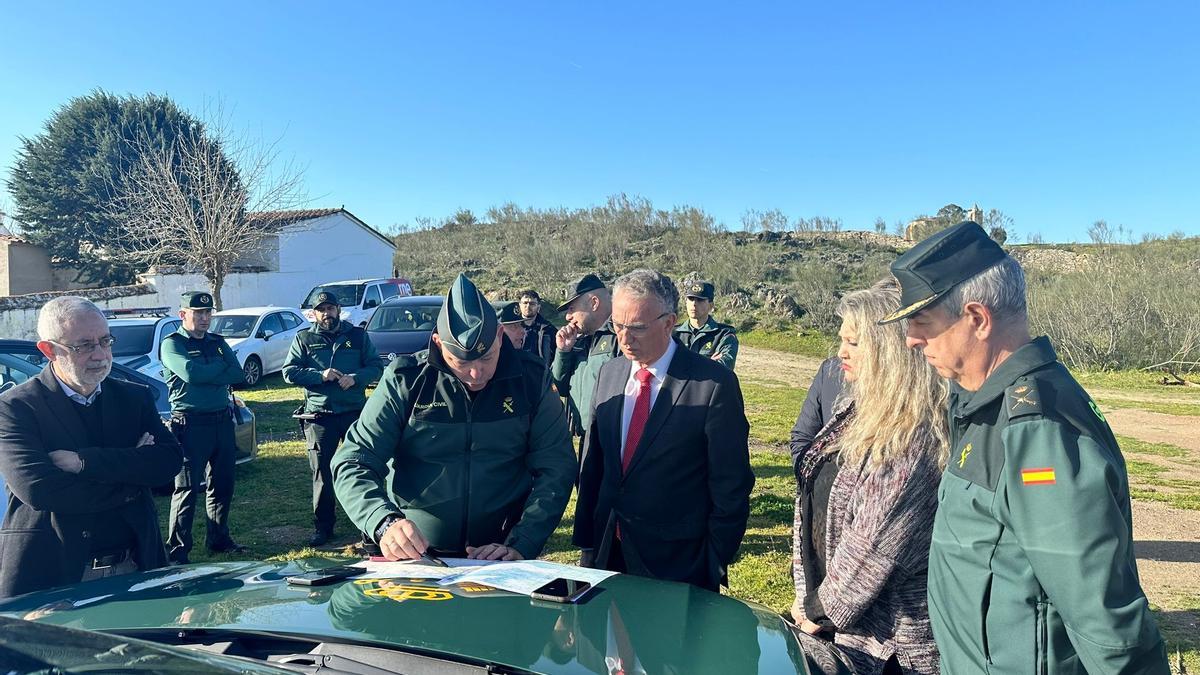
{"x": 636, "y": 329}
{"x": 105, "y": 342}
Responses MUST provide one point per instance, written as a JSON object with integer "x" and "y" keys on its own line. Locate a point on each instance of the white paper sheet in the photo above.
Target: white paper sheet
{"x": 524, "y": 576}
{"x": 415, "y": 570}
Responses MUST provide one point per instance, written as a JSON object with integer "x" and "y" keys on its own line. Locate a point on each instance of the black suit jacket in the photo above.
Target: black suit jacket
{"x": 684, "y": 501}
{"x": 44, "y": 537}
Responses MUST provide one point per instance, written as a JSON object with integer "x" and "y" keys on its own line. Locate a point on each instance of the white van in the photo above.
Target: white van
{"x": 358, "y": 297}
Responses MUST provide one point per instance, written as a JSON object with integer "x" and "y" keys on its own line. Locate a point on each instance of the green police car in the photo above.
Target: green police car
{"x": 245, "y": 617}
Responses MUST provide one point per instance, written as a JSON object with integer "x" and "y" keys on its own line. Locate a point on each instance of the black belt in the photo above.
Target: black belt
{"x": 109, "y": 559}
{"x": 199, "y": 417}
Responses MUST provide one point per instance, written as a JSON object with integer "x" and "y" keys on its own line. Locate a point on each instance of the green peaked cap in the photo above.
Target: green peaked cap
{"x": 467, "y": 324}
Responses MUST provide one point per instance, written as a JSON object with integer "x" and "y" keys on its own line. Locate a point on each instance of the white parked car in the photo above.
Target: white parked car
{"x": 260, "y": 336}
{"x": 358, "y": 297}
{"x": 139, "y": 334}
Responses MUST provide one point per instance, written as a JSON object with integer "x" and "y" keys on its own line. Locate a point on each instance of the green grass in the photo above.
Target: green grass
{"x": 807, "y": 343}
{"x": 1135, "y": 380}
{"x": 1166, "y": 408}
{"x": 772, "y": 411}
{"x": 1147, "y": 479}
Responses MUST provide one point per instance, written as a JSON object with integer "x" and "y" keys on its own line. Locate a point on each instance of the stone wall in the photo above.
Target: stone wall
{"x": 18, "y": 313}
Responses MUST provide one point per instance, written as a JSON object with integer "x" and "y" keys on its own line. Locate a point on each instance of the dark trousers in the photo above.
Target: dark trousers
{"x": 323, "y": 435}
{"x": 208, "y": 456}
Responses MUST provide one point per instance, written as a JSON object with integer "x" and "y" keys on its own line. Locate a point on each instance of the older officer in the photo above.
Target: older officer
{"x": 334, "y": 361}
{"x": 509, "y": 316}
{"x": 1032, "y": 566}
{"x": 463, "y": 447}
{"x": 200, "y": 368}
{"x": 701, "y": 333}
{"x": 582, "y": 346}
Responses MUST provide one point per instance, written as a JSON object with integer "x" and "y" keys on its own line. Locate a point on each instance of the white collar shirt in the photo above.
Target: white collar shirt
{"x": 72, "y": 394}
{"x": 659, "y": 370}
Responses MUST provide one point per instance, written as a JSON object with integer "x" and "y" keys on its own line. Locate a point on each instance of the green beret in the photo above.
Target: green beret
{"x": 584, "y": 284}
{"x": 195, "y": 300}
{"x": 937, "y": 264}
{"x": 467, "y": 324}
{"x": 509, "y": 313}
{"x": 701, "y": 289}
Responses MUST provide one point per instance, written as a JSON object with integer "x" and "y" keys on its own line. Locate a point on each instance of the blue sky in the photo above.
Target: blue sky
{"x": 1057, "y": 116}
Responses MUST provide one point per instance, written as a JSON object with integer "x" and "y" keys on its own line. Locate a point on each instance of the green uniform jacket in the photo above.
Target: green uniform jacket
{"x": 496, "y": 469}
{"x": 199, "y": 372}
{"x": 1032, "y": 567}
{"x": 348, "y": 350}
{"x": 718, "y": 341}
{"x": 575, "y": 372}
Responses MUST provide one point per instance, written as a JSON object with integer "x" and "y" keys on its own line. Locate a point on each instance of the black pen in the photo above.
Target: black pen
{"x": 433, "y": 559}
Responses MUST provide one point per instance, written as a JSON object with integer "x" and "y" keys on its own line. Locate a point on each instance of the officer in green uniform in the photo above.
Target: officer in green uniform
{"x": 463, "y": 447}
{"x": 587, "y": 342}
{"x": 334, "y": 361}
{"x": 701, "y": 333}
{"x": 1032, "y": 567}
{"x": 200, "y": 368}
{"x": 513, "y": 324}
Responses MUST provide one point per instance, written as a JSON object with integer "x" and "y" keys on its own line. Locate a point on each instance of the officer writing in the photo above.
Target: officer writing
{"x": 463, "y": 448}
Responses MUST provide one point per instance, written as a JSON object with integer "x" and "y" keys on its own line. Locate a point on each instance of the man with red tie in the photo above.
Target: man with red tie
{"x": 665, "y": 479}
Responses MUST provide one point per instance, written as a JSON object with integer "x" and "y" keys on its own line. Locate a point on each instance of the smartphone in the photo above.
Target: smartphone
{"x": 324, "y": 576}
{"x": 562, "y": 590}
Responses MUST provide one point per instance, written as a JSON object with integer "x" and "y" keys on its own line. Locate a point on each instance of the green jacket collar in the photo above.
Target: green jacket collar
{"x": 207, "y": 336}
{"x": 1030, "y": 357}
{"x": 709, "y": 326}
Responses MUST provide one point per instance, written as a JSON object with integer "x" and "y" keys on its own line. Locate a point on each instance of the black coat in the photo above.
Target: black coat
{"x": 684, "y": 501}
{"x": 44, "y": 537}
{"x": 817, "y": 410}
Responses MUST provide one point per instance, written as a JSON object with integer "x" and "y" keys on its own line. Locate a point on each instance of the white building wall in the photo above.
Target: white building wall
{"x": 314, "y": 252}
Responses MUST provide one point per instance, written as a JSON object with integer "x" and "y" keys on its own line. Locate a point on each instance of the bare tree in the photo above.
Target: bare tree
{"x": 190, "y": 204}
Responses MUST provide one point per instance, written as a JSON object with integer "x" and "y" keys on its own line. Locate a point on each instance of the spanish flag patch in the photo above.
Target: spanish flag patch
{"x": 1042, "y": 476}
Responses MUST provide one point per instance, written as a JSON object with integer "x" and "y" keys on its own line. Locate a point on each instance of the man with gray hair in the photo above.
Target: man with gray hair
{"x": 80, "y": 452}
{"x": 1032, "y": 565}
{"x": 664, "y": 486}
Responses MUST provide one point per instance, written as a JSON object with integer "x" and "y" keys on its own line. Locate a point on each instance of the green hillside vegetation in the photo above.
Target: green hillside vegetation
{"x": 1106, "y": 306}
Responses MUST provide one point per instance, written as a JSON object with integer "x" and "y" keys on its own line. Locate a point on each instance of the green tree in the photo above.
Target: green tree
{"x": 65, "y": 177}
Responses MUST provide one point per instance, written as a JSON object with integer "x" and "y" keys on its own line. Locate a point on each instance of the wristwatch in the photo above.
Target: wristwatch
{"x": 387, "y": 522}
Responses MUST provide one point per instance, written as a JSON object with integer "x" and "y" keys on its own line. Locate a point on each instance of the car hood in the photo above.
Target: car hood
{"x": 234, "y": 342}
{"x": 665, "y": 626}
{"x": 396, "y": 342}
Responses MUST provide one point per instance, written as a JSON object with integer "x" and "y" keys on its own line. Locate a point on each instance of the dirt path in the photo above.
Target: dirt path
{"x": 1167, "y": 539}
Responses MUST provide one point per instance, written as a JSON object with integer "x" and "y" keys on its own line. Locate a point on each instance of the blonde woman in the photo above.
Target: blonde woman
{"x": 867, "y": 492}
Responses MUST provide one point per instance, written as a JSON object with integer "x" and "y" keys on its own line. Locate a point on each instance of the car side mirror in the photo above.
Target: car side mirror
{"x": 369, "y": 304}
{"x": 263, "y": 335}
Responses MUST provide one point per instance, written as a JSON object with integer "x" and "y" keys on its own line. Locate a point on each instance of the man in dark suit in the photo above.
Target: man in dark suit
{"x": 80, "y": 452}
{"x": 664, "y": 486}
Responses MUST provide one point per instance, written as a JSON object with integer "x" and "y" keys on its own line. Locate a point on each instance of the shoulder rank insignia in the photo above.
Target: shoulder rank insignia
{"x": 1038, "y": 476}
{"x": 1022, "y": 399}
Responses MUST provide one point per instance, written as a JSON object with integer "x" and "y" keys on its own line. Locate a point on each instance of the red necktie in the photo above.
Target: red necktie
{"x": 641, "y": 412}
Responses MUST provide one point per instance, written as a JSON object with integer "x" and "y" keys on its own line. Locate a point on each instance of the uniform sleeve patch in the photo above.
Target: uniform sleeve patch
{"x": 1038, "y": 476}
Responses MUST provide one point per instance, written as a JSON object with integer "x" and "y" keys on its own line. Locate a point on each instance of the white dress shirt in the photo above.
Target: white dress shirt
{"x": 659, "y": 370}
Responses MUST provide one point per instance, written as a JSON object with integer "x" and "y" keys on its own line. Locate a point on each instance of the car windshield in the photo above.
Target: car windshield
{"x": 348, "y": 295}
{"x": 405, "y": 318}
{"x": 132, "y": 340}
{"x": 232, "y": 325}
